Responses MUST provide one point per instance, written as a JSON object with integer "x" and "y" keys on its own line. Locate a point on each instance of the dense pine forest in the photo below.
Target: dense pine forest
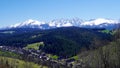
{"x": 65, "y": 47}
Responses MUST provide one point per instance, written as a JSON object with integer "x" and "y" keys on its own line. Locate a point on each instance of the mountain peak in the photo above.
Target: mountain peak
{"x": 29, "y": 22}
{"x": 32, "y": 22}
{"x": 93, "y": 23}
{"x": 99, "y": 21}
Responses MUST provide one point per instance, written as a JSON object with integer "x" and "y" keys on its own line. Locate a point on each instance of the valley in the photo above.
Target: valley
{"x": 65, "y": 47}
{"x": 59, "y": 33}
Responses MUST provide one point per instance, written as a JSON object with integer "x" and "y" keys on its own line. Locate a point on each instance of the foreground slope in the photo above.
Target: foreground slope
{"x": 107, "y": 56}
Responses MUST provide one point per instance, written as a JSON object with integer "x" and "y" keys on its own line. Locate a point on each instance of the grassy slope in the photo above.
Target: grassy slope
{"x": 15, "y": 63}
{"x": 9, "y": 54}
{"x": 34, "y": 45}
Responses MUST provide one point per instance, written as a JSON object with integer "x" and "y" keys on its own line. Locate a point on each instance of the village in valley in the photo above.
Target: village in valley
{"x": 38, "y": 56}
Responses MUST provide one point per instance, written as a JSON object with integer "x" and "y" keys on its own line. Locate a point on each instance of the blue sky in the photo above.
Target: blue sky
{"x": 15, "y": 11}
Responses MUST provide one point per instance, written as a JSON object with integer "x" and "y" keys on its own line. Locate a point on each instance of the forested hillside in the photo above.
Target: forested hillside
{"x": 107, "y": 56}
{"x": 64, "y": 42}
{"x": 66, "y": 47}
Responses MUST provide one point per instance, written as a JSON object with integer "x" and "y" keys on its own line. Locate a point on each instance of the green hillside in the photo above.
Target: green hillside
{"x": 107, "y": 56}
{"x": 64, "y": 42}
{"x": 34, "y": 46}
{"x": 6, "y": 62}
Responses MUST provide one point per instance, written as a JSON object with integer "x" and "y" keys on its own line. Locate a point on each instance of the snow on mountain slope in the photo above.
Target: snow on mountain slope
{"x": 65, "y": 22}
{"x": 100, "y": 22}
{"x": 29, "y": 23}
{"x": 32, "y": 22}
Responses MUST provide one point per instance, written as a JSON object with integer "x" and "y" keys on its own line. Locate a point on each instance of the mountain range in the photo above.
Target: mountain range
{"x": 93, "y": 23}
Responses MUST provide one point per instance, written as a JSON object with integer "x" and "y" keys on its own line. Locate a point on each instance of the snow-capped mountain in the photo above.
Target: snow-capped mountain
{"x": 93, "y": 23}
{"x": 65, "y": 22}
{"x": 100, "y": 23}
{"x": 29, "y": 24}
{"x": 47, "y": 25}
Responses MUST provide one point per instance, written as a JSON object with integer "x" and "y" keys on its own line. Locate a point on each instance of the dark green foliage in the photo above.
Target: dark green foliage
{"x": 103, "y": 57}
{"x": 69, "y": 41}
{"x": 63, "y": 42}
